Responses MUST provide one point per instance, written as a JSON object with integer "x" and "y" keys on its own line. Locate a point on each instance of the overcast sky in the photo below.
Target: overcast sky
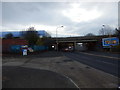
{"x": 78, "y": 19}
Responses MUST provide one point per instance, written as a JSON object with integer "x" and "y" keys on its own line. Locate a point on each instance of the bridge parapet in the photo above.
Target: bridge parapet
{"x": 80, "y": 39}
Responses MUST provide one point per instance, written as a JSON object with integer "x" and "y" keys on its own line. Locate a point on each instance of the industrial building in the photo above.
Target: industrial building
{"x": 41, "y": 33}
{"x": 15, "y": 44}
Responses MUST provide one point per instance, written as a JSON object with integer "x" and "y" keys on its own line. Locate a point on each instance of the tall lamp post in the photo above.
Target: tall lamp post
{"x": 109, "y": 33}
{"x": 57, "y": 36}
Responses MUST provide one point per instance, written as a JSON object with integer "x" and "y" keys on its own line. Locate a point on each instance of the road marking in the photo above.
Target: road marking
{"x": 93, "y": 66}
{"x": 99, "y": 61}
{"x": 109, "y": 63}
{"x": 72, "y": 81}
{"x": 100, "y": 55}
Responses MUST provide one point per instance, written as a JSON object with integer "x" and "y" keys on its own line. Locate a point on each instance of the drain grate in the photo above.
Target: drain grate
{"x": 58, "y": 62}
{"x": 67, "y": 60}
{"x": 72, "y": 68}
{"x": 87, "y": 67}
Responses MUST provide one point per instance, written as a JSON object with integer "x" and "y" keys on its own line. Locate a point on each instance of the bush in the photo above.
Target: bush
{"x": 116, "y": 48}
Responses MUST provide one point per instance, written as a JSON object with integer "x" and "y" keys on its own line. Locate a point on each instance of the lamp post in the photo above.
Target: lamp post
{"x": 57, "y": 36}
{"x": 109, "y": 34}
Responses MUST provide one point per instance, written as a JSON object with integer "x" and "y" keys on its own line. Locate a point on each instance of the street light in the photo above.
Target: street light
{"x": 109, "y": 34}
{"x": 57, "y": 36}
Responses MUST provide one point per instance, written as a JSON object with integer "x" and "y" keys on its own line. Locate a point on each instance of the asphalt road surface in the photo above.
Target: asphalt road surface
{"x": 20, "y": 77}
{"x": 107, "y": 63}
{"x": 33, "y": 70}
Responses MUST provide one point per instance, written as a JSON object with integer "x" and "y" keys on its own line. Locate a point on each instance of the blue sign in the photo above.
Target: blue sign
{"x": 109, "y": 42}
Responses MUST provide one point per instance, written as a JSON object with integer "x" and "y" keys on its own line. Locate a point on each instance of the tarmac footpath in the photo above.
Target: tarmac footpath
{"x": 20, "y": 77}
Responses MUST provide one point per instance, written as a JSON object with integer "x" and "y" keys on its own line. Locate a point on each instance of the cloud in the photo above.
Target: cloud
{"x": 79, "y": 14}
{"x": 77, "y": 18}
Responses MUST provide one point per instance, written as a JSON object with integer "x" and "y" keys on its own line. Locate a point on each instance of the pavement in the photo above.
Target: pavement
{"x": 82, "y": 75}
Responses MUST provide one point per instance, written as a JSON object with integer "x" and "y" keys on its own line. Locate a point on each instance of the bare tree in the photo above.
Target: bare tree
{"x": 90, "y": 34}
{"x": 106, "y": 30}
{"x": 117, "y": 31}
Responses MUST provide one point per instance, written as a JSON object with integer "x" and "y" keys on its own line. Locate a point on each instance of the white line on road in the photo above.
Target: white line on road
{"x": 100, "y": 55}
{"x": 108, "y": 63}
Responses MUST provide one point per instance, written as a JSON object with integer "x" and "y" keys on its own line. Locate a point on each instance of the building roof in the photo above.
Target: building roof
{"x": 18, "y": 33}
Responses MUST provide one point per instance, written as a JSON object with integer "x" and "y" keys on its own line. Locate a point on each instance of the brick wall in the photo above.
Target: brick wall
{"x": 6, "y": 43}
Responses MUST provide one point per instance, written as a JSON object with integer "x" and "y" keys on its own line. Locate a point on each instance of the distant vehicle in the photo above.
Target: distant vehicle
{"x": 68, "y": 49}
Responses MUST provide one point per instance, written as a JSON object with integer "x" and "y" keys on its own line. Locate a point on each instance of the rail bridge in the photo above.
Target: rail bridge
{"x": 81, "y": 39}
{"x": 90, "y": 41}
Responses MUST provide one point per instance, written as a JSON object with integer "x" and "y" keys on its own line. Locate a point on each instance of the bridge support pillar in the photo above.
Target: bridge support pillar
{"x": 74, "y": 46}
